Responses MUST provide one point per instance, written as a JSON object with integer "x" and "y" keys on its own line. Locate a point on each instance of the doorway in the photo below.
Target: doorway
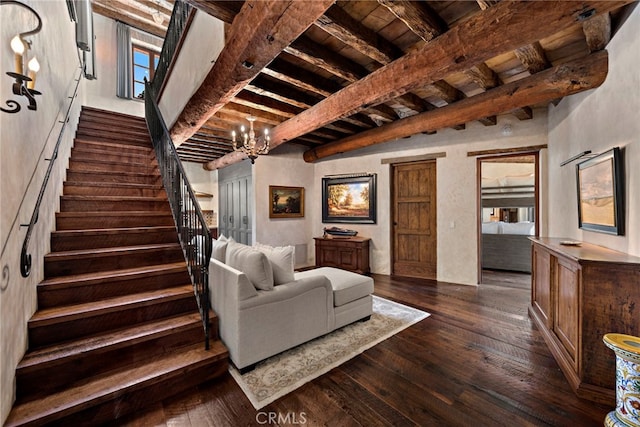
{"x": 414, "y": 226}
{"x": 508, "y": 210}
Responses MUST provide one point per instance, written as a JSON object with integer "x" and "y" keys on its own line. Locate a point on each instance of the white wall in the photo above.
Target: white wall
{"x": 200, "y": 49}
{"x": 101, "y": 93}
{"x": 284, "y": 167}
{"x": 598, "y": 120}
{"x": 203, "y": 181}
{"x": 29, "y": 137}
{"x": 456, "y": 189}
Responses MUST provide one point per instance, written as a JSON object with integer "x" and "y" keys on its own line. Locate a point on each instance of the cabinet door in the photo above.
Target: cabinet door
{"x": 565, "y": 323}
{"x": 541, "y": 284}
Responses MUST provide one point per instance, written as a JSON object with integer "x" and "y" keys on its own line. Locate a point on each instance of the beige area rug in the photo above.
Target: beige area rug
{"x": 285, "y": 372}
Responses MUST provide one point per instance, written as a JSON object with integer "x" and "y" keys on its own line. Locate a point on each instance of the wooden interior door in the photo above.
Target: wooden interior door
{"x": 414, "y": 224}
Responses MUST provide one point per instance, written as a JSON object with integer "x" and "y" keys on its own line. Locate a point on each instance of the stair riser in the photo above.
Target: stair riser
{"x": 101, "y": 262}
{"x": 114, "y": 137}
{"x": 109, "y": 119}
{"x": 115, "y": 129}
{"x": 40, "y": 336}
{"x": 122, "y": 178}
{"x": 115, "y": 205}
{"x": 128, "y": 403}
{"x": 110, "y": 156}
{"x": 30, "y": 384}
{"x": 73, "y": 189}
{"x": 92, "y": 222}
{"x": 82, "y": 144}
{"x": 99, "y": 166}
{"x": 53, "y": 296}
{"x": 111, "y": 240}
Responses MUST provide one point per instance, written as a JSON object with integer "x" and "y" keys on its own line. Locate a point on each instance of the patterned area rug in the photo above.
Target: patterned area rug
{"x": 285, "y": 372}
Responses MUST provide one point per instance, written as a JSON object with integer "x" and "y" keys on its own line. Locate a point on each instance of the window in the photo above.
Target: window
{"x": 144, "y": 64}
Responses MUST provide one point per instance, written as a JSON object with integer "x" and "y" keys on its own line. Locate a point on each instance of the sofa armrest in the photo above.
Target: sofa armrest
{"x": 288, "y": 291}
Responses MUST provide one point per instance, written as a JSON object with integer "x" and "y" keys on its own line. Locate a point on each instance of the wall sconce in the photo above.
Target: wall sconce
{"x": 23, "y": 85}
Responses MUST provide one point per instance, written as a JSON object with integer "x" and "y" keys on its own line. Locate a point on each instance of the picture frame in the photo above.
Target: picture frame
{"x": 286, "y": 202}
{"x": 600, "y": 181}
{"x": 349, "y": 199}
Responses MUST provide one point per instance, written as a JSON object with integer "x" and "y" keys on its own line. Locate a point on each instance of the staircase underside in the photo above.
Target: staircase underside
{"x": 117, "y": 326}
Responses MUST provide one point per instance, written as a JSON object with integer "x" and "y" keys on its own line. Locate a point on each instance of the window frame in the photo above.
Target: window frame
{"x": 153, "y": 56}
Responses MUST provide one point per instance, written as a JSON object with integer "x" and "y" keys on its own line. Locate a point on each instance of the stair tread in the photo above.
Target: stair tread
{"x": 102, "y": 388}
{"x": 113, "y": 185}
{"x": 153, "y": 174}
{"x": 102, "y": 231}
{"x": 143, "y": 163}
{"x": 115, "y": 145}
{"x": 121, "y": 273}
{"x": 162, "y": 198}
{"x": 55, "y": 354}
{"x": 111, "y": 213}
{"x": 48, "y": 316}
{"x": 109, "y": 251}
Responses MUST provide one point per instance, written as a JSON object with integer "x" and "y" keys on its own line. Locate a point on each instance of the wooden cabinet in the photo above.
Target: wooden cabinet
{"x": 579, "y": 294}
{"x": 347, "y": 253}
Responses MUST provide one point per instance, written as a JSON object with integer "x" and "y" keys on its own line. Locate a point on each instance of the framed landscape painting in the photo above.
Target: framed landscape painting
{"x": 286, "y": 202}
{"x": 600, "y": 193}
{"x": 350, "y": 199}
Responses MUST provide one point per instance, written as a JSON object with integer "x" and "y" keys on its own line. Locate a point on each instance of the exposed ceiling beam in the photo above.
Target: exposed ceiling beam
{"x": 223, "y": 10}
{"x": 597, "y": 30}
{"x": 577, "y": 76}
{"x": 533, "y": 57}
{"x": 260, "y": 31}
{"x": 418, "y": 16}
{"x": 111, "y": 10}
{"x": 474, "y": 40}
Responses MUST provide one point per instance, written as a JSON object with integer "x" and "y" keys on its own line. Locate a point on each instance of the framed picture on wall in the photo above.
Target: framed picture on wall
{"x": 350, "y": 199}
{"x": 286, "y": 202}
{"x": 600, "y": 193}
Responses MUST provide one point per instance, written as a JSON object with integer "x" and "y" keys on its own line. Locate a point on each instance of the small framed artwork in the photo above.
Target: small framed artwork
{"x": 286, "y": 202}
{"x": 350, "y": 199}
{"x": 600, "y": 193}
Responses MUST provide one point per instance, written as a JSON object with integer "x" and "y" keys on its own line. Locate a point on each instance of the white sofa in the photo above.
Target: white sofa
{"x": 258, "y": 323}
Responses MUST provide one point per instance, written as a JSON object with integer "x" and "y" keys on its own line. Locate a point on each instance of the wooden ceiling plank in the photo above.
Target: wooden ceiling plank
{"x": 242, "y": 111}
{"x": 474, "y": 40}
{"x": 264, "y": 103}
{"x": 418, "y": 16}
{"x": 260, "y": 31}
{"x": 326, "y": 59}
{"x": 342, "y": 26}
{"x": 489, "y": 121}
{"x": 287, "y": 72}
{"x": 597, "y": 31}
{"x": 573, "y": 77}
{"x": 533, "y": 57}
{"x": 281, "y": 91}
{"x": 444, "y": 91}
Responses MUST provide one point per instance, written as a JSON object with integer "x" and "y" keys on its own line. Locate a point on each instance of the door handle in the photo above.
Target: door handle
{"x": 231, "y": 219}
{"x": 245, "y": 219}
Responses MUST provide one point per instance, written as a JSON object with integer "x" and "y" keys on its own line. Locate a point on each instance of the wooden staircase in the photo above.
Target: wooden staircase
{"x": 117, "y": 326}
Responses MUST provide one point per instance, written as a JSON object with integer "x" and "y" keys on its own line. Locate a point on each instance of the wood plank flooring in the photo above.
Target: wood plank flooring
{"x": 477, "y": 361}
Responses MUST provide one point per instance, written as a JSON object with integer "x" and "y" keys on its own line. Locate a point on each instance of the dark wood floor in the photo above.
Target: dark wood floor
{"x": 477, "y": 361}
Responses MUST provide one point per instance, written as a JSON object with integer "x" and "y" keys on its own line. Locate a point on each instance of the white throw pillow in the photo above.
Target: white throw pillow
{"x": 251, "y": 262}
{"x": 219, "y": 249}
{"x": 282, "y": 259}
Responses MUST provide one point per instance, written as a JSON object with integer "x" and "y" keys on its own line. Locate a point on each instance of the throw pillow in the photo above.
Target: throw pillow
{"x": 251, "y": 262}
{"x": 282, "y": 259}
{"x": 219, "y": 249}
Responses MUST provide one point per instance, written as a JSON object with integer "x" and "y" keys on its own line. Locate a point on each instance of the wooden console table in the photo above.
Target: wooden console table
{"x": 579, "y": 294}
{"x": 347, "y": 253}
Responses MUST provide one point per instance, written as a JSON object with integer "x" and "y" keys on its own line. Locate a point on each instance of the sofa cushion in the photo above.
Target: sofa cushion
{"x": 347, "y": 286}
{"x": 253, "y": 263}
{"x": 282, "y": 259}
